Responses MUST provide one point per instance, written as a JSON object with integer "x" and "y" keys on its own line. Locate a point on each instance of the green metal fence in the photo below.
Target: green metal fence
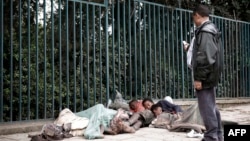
{"x": 76, "y": 53}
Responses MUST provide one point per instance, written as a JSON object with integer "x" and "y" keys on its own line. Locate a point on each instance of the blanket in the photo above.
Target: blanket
{"x": 99, "y": 117}
{"x": 186, "y": 120}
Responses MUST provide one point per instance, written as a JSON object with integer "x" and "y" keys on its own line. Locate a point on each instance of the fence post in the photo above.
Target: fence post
{"x": 107, "y": 51}
{"x": 1, "y": 61}
{"x": 237, "y": 58}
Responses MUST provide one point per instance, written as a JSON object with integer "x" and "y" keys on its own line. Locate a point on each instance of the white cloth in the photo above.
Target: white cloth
{"x": 190, "y": 53}
{"x": 169, "y": 99}
{"x": 67, "y": 116}
{"x": 194, "y": 134}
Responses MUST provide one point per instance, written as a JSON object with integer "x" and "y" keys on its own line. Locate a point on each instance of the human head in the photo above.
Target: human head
{"x": 132, "y": 104}
{"x": 147, "y": 103}
{"x": 156, "y": 109}
{"x": 200, "y": 14}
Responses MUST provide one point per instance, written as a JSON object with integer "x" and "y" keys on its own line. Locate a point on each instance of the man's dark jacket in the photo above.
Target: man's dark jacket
{"x": 205, "y": 61}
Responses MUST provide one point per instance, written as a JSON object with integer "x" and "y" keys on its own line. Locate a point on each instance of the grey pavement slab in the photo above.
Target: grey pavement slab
{"x": 143, "y": 134}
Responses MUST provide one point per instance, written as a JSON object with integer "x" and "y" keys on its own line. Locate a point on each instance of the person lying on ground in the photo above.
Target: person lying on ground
{"x": 142, "y": 115}
{"x": 165, "y": 105}
{"x": 139, "y": 119}
{"x": 182, "y": 121}
{"x": 145, "y": 117}
{"x": 136, "y": 106}
{"x": 93, "y": 122}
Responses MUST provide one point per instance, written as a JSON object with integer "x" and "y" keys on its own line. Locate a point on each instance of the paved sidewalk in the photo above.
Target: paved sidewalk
{"x": 144, "y": 134}
{"x": 238, "y": 113}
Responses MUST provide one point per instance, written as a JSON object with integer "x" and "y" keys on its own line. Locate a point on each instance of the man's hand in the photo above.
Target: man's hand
{"x": 185, "y": 45}
{"x": 197, "y": 85}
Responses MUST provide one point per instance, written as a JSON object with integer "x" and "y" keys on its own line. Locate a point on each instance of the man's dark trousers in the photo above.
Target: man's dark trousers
{"x": 210, "y": 114}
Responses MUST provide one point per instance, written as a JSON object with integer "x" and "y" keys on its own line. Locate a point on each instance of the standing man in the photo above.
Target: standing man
{"x": 207, "y": 67}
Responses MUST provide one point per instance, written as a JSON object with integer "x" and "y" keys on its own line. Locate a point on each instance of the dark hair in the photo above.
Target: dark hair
{"x": 132, "y": 101}
{"x": 155, "y": 106}
{"x": 147, "y": 99}
{"x": 202, "y": 10}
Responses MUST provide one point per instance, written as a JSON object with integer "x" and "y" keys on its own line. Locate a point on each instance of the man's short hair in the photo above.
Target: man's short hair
{"x": 131, "y": 102}
{"x": 202, "y": 10}
{"x": 147, "y": 99}
{"x": 155, "y": 106}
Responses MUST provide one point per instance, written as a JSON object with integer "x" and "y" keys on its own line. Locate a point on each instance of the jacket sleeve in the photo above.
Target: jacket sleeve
{"x": 205, "y": 56}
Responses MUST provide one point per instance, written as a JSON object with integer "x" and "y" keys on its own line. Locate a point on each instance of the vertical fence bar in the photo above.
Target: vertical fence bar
{"x": 119, "y": 45}
{"x": 28, "y": 98}
{"x": 87, "y": 29}
{"x": 182, "y": 59}
{"x": 74, "y": 53}
{"x": 173, "y": 56}
{"x": 20, "y": 60}
{"x": 189, "y": 90}
{"x": 226, "y": 60}
{"x": 237, "y": 58}
{"x": 81, "y": 60}
{"x": 230, "y": 57}
{"x": 11, "y": 61}
{"x": 150, "y": 50}
{"x": 52, "y": 58}
{"x": 130, "y": 51}
{"x": 159, "y": 46}
{"x": 224, "y": 47}
{"x": 60, "y": 55}
{"x": 37, "y": 63}
{"x": 113, "y": 46}
{"x": 100, "y": 47}
{"x": 145, "y": 48}
{"x": 45, "y": 59}
{"x": 188, "y": 36}
{"x": 125, "y": 46}
{"x": 229, "y": 61}
{"x": 177, "y": 52}
{"x": 168, "y": 45}
{"x": 234, "y": 58}
{"x": 67, "y": 52}
{"x": 218, "y": 26}
{"x": 240, "y": 58}
{"x": 107, "y": 51}
{"x": 221, "y": 28}
{"x": 248, "y": 56}
{"x": 1, "y": 61}
{"x": 224, "y": 32}
{"x": 140, "y": 51}
{"x": 192, "y": 34}
{"x": 135, "y": 47}
{"x": 94, "y": 48}
{"x": 164, "y": 49}
{"x": 245, "y": 59}
{"x": 155, "y": 65}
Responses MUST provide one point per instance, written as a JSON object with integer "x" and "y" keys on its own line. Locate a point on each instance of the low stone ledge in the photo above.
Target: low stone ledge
{"x": 22, "y": 127}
